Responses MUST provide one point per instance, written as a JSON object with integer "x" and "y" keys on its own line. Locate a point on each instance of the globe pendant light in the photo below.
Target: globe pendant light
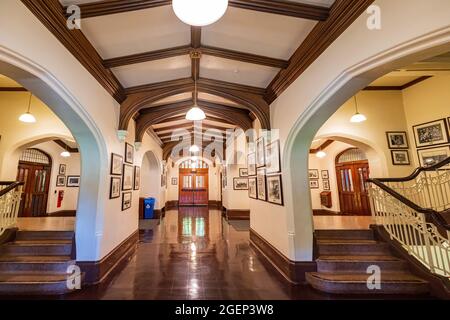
{"x": 321, "y": 154}
{"x": 195, "y": 114}
{"x": 194, "y": 149}
{"x": 357, "y": 117}
{"x": 199, "y": 13}
{"x": 27, "y": 117}
{"x": 65, "y": 153}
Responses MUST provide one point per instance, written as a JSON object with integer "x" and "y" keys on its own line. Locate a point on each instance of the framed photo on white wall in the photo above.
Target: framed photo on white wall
{"x": 397, "y": 140}
{"x": 431, "y": 133}
{"x": 431, "y": 156}
{"x": 400, "y": 157}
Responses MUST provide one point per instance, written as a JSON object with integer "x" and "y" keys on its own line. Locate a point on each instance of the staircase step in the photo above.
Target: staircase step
{"x": 9, "y": 263}
{"x": 359, "y": 264}
{"x": 391, "y": 283}
{"x": 353, "y": 247}
{"x": 33, "y": 283}
{"x": 38, "y": 247}
{"x": 356, "y": 234}
{"x": 47, "y": 235}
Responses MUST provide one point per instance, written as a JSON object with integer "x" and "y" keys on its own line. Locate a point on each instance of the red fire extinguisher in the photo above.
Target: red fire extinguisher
{"x": 60, "y": 198}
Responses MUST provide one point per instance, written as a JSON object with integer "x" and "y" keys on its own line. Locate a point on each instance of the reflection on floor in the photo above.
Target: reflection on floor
{"x": 47, "y": 224}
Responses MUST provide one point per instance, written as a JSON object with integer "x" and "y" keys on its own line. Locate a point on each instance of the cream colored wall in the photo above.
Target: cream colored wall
{"x": 151, "y": 180}
{"x": 234, "y": 199}
{"x": 424, "y": 102}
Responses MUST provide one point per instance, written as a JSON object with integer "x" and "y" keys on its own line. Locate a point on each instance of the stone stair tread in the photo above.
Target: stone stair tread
{"x": 39, "y": 242}
{"x": 32, "y": 277}
{"x": 362, "y": 277}
{"x": 33, "y": 259}
{"x": 358, "y": 258}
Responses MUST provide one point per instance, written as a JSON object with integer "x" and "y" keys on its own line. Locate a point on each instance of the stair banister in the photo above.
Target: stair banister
{"x": 10, "y": 195}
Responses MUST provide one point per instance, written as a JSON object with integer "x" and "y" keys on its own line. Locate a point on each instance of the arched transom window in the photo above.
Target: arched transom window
{"x": 194, "y": 164}
{"x": 351, "y": 155}
{"x": 35, "y": 156}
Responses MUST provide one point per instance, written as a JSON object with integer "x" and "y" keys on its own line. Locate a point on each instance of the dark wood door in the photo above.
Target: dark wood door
{"x": 352, "y": 187}
{"x": 193, "y": 187}
{"x": 36, "y": 178}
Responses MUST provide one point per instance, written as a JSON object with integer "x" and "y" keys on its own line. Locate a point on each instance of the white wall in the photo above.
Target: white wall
{"x": 151, "y": 180}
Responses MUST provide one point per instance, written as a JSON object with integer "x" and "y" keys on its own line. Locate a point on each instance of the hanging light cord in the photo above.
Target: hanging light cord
{"x": 195, "y": 84}
{"x": 356, "y": 104}
{"x": 29, "y": 103}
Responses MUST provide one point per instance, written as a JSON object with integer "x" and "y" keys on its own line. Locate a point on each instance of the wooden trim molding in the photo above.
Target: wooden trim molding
{"x": 324, "y": 212}
{"x": 215, "y": 204}
{"x": 51, "y": 15}
{"x": 8, "y": 235}
{"x": 281, "y": 7}
{"x": 322, "y": 147}
{"x": 342, "y": 14}
{"x": 397, "y": 88}
{"x": 65, "y": 146}
{"x": 98, "y": 271}
{"x": 237, "y": 214}
{"x": 13, "y": 89}
{"x": 172, "y": 204}
{"x": 63, "y": 213}
{"x": 292, "y": 271}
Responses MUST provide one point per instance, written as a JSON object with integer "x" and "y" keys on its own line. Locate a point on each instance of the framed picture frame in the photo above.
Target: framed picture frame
{"x": 174, "y": 181}
{"x": 73, "y": 181}
{"x": 313, "y": 174}
{"x": 116, "y": 164}
{"x": 126, "y": 200}
{"x": 62, "y": 169}
{"x": 326, "y": 185}
{"x": 61, "y": 181}
{"x": 325, "y": 174}
{"x": 114, "y": 189}
{"x": 431, "y": 133}
{"x": 397, "y": 140}
{"x": 137, "y": 178}
{"x": 314, "y": 184}
{"x": 252, "y": 188}
{"x": 261, "y": 184}
{"x": 243, "y": 172}
{"x": 251, "y": 164}
{"x": 127, "y": 178}
{"x": 260, "y": 152}
{"x": 273, "y": 157}
{"x": 448, "y": 126}
{"x": 400, "y": 157}
{"x": 275, "y": 189}
{"x": 129, "y": 153}
{"x": 431, "y": 156}
{"x": 240, "y": 184}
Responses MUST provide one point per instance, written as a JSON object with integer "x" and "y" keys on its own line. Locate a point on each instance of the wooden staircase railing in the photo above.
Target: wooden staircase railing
{"x": 10, "y": 195}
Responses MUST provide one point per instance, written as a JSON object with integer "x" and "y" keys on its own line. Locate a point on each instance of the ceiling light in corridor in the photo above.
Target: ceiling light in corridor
{"x": 65, "y": 154}
{"x": 357, "y": 117}
{"x": 199, "y": 13}
{"x": 321, "y": 154}
{"x": 27, "y": 117}
{"x": 194, "y": 148}
{"x": 195, "y": 113}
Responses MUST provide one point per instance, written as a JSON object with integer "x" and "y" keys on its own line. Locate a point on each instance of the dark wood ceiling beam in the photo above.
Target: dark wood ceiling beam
{"x": 51, "y": 15}
{"x": 184, "y": 83}
{"x": 322, "y": 147}
{"x": 203, "y": 133}
{"x": 190, "y": 125}
{"x": 13, "y": 89}
{"x": 342, "y": 14}
{"x": 398, "y": 88}
{"x": 280, "y": 7}
{"x": 147, "y": 56}
{"x": 203, "y": 82}
{"x": 183, "y": 117}
{"x": 65, "y": 146}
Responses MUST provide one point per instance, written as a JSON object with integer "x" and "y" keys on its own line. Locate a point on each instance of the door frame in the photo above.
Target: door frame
{"x": 193, "y": 172}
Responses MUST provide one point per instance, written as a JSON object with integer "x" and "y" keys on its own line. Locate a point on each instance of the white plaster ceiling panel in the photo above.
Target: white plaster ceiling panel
{"x": 7, "y": 82}
{"x": 173, "y": 99}
{"x": 70, "y": 2}
{"x": 322, "y": 3}
{"x": 392, "y": 80}
{"x": 270, "y": 35}
{"x": 135, "y": 32}
{"x": 216, "y": 99}
{"x": 170, "y": 124}
{"x": 236, "y": 72}
{"x": 218, "y": 124}
{"x": 153, "y": 71}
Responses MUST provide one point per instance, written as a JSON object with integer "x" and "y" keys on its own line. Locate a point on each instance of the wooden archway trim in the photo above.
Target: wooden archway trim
{"x": 168, "y": 147}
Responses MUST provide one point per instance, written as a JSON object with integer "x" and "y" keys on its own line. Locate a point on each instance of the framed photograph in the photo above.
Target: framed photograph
{"x": 114, "y": 189}
{"x": 243, "y": 172}
{"x": 174, "y": 181}
{"x": 273, "y": 159}
{"x": 448, "y": 126}
{"x": 260, "y": 153}
{"x": 261, "y": 184}
{"x": 326, "y": 185}
{"x": 252, "y": 188}
{"x": 275, "y": 189}
{"x": 325, "y": 174}
{"x": 431, "y": 156}
{"x": 127, "y": 179}
{"x": 240, "y": 184}
{"x": 129, "y": 153}
{"x": 116, "y": 164}
{"x": 62, "y": 169}
{"x": 314, "y": 184}
{"x": 73, "y": 181}
{"x": 251, "y": 164}
{"x": 137, "y": 178}
{"x": 313, "y": 174}
{"x": 431, "y": 133}
{"x": 126, "y": 201}
{"x": 400, "y": 157}
{"x": 61, "y": 181}
{"x": 397, "y": 140}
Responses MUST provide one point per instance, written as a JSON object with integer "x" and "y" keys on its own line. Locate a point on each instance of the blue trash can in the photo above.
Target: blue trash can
{"x": 149, "y": 206}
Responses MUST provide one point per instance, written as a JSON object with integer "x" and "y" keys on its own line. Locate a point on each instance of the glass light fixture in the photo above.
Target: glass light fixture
{"x": 27, "y": 117}
{"x": 194, "y": 148}
{"x": 357, "y": 117}
{"x": 195, "y": 113}
{"x": 65, "y": 153}
{"x": 199, "y": 13}
{"x": 321, "y": 154}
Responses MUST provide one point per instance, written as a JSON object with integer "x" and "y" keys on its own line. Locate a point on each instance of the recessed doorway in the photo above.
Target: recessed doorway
{"x": 194, "y": 183}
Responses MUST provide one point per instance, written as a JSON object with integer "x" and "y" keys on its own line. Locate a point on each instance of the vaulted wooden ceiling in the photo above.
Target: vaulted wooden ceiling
{"x": 147, "y": 59}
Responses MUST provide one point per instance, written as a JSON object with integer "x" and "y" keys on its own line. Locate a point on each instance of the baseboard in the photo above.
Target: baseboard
{"x": 325, "y": 212}
{"x": 214, "y": 204}
{"x": 98, "y": 271}
{"x": 173, "y": 204}
{"x": 237, "y": 214}
{"x": 292, "y": 271}
{"x": 63, "y": 213}
{"x": 440, "y": 286}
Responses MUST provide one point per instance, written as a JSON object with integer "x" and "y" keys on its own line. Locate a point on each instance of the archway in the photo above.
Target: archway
{"x": 296, "y": 149}
{"x": 150, "y": 179}
{"x": 91, "y": 143}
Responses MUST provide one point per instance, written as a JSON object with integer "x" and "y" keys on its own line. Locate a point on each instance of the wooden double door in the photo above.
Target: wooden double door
{"x": 193, "y": 187}
{"x": 352, "y": 187}
{"x": 36, "y": 178}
